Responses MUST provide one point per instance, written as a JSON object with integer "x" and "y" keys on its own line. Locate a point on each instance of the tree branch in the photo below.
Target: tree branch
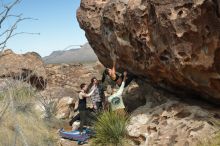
{"x": 6, "y": 11}
{"x": 10, "y": 31}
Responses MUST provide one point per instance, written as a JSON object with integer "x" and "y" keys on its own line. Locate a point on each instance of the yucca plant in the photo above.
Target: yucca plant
{"x": 110, "y": 128}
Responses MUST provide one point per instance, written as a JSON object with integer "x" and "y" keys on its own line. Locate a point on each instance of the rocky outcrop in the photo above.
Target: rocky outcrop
{"x": 166, "y": 120}
{"x": 27, "y": 67}
{"x": 70, "y": 76}
{"x": 173, "y": 44}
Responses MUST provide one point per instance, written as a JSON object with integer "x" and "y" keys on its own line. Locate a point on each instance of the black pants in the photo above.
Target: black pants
{"x": 83, "y": 119}
{"x": 99, "y": 106}
{"x": 74, "y": 119}
{"x": 90, "y": 117}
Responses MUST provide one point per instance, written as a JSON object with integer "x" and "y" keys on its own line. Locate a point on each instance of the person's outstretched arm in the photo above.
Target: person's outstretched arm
{"x": 89, "y": 94}
{"x": 113, "y": 67}
{"x": 114, "y": 58}
{"x": 120, "y": 90}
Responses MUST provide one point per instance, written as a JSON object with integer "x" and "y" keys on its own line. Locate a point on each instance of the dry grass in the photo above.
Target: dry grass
{"x": 20, "y": 124}
{"x": 215, "y": 141}
{"x": 35, "y": 131}
{"x": 212, "y": 142}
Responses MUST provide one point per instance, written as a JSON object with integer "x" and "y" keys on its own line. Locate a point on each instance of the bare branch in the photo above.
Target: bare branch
{"x": 12, "y": 29}
{"x": 9, "y": 32}
{"x": 7, "y": 10}
{"x": 19, "y": 33}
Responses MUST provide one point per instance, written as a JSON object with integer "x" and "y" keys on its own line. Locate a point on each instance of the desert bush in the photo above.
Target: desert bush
{"x": 1, "y": 96}
{"x": 49, "y": 106}
{"x": 110, "y": 128}
{"x": 215, "y": 141}
{"x": 23, "y": 97}
{"x": 25, "y": 128}
{"x": 20, "y": 123}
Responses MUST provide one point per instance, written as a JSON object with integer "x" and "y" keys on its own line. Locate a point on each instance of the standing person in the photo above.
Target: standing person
{"x": 116, "y": 100}
{"x": 82, "y": 105}
{"x": 98, "y": 94}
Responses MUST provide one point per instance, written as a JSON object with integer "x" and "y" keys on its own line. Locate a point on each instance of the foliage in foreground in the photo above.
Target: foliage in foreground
{"x": 110, "y": 129}
{"x": 20, "y": 124}
{"x": 212, "y": 142}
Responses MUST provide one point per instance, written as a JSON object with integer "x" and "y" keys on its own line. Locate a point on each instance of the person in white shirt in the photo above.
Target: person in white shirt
{"x": 116, "y": 100}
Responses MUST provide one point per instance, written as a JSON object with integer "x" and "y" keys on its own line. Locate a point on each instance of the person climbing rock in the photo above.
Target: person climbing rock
{"x": 98, "y": 94}
{"x": 82, "y": 105}
{"x": 115, "y": 75}
{"x": 116, "y": 100}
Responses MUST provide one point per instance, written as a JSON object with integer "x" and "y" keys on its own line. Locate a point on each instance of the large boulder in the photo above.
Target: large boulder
{"x": 172, "y": 43}
{"x": 28, "y": 67}
{"x": 64, "y": 106}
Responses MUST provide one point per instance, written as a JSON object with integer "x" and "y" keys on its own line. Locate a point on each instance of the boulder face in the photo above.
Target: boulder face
{"x": 173, "y": 44}
{"x": 28, "y": 67}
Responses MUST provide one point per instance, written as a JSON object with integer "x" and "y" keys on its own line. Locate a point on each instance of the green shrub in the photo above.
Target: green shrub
{"x": 110, "y": 129}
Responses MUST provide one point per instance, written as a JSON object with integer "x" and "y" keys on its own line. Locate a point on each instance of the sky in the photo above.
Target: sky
{"x": 57, "y": 25}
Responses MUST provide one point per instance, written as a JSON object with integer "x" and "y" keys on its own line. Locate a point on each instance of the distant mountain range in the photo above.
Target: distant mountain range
{"x": 83, "y": 54}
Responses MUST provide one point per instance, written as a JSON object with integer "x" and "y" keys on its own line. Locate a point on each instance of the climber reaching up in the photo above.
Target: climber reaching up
{"x": 115, "y": 75}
